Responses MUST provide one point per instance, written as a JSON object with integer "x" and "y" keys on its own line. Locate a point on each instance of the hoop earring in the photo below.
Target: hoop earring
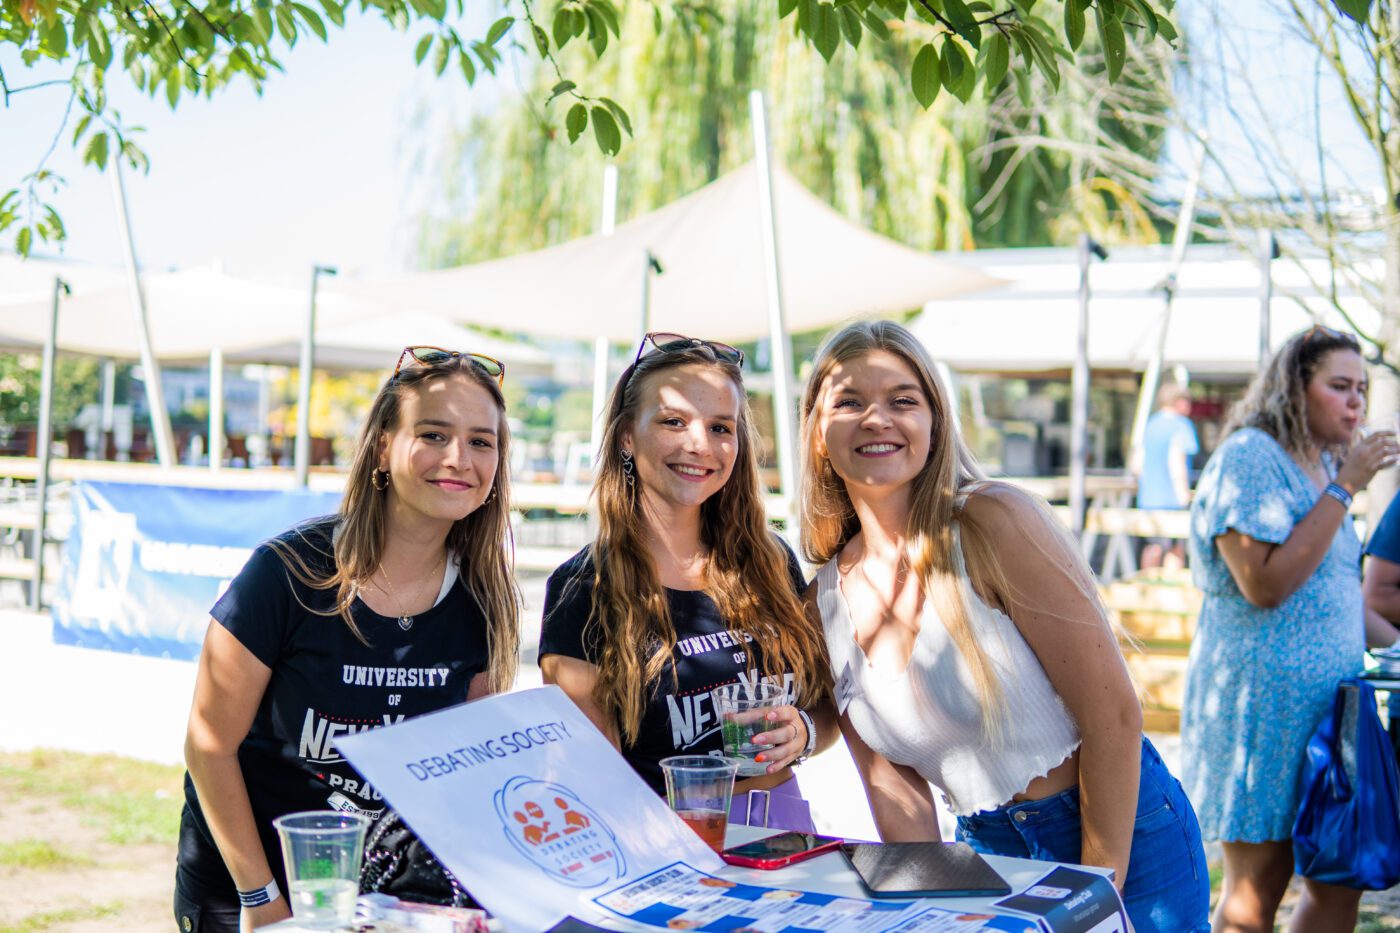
{"x": 375, "y": 478}
{"x": 629, "y": 469}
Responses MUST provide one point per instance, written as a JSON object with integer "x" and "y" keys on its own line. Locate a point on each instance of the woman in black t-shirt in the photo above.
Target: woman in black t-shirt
{"x": 685, "y": 589}
{"x": 401, "y": 604}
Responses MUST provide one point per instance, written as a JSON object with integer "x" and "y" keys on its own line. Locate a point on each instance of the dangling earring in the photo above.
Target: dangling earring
{"x": 629, "y": 469}
{"x": 491, "y": 495}
{"x": 379, "y": 479}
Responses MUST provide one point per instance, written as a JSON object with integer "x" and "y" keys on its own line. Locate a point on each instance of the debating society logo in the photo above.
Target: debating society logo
{"x": 560, "y": 834}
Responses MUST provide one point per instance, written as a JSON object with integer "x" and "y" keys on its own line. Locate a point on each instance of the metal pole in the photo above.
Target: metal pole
{"x": 302, "y": 453}
{"x": 44, "y": 448}
{"x": 1268, "y": 252}
{"x": 780, "y": 342}
{"x": 650, "y": 264}
{"x": 1079, "y": 391}
{"x": 216, "y": 409}
{"x": 109, "y": 404}
{"x": 600, "y": 344}
{"x": 1147, "y": 393}
{"x": 155, "y": 393}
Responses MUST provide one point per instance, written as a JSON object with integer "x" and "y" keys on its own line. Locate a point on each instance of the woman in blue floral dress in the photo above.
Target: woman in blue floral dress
{"x": 1275, "y": 553}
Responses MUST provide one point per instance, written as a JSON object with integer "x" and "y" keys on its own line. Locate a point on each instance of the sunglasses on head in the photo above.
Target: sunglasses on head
{"x": 436, "y": 356}
{"x": 677, "y": 343}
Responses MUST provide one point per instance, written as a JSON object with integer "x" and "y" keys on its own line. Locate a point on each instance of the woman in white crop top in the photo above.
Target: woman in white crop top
{"x": 996, "y": 677}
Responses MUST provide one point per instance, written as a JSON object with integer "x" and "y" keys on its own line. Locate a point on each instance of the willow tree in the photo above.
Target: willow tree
{"x": 183, "y": 48}
{"x": 1012, "y": 163}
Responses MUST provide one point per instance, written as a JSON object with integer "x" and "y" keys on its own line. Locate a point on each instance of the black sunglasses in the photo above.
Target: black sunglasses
{"x": 677, "y": 343}
{"x": 436, "y": 356}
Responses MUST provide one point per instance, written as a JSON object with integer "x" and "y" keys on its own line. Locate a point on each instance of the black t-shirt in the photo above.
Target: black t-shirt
{"x": 325, "y": 683}
{"x": 678, "y": 718}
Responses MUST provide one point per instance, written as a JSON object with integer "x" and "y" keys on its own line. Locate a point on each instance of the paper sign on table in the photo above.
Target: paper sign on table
{"x": 1070, "y": 900}
{"x": 526, "y": 802}
{"x": 680, "y": 898}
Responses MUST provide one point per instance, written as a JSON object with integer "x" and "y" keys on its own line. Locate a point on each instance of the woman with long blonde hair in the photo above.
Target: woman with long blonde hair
{"x": 1283, "y": 620}
{"x": 968, "y": 645}
{"x": 401, "y": 604}
{"x": 685, "y": 590}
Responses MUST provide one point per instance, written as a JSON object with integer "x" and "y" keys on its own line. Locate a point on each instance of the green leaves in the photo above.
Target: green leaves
{"x": 927, "y": 76}
{"x": 576, "y": 122}
{"x": 1074, "y": 22}
{"x": 1115, "y": 45}
{"x": 996, "y": 58}
{"x": 825, "y": 30}
{"x": 1358, "y": 10}
{"x": 605, "y": 131}
{"x": 959, "y": 76}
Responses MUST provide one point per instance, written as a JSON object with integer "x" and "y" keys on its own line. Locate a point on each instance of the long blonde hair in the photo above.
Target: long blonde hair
{"x": 482, "y": 541}
{"x": 1276, "y": 401}
{"x": 746, "y": 574}
{"x": 829, "y": 518}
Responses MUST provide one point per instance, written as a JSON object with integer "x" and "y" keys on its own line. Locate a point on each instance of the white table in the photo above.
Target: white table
{"x": 832, "y": 874}
{"x": 825, "y": 874}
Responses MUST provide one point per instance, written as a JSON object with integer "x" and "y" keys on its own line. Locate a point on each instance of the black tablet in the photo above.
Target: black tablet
{"x": 923, "y": 869}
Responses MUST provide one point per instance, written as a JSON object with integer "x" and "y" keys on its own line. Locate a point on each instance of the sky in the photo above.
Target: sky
{"x": 336, "y": 159}
{"x": 320, "y": 169}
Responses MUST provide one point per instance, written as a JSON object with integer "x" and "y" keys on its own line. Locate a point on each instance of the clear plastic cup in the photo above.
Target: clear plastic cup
{"x": 322, "y": 850}
{"x": 699, "y": 788}
{"x": 741, "y": 710}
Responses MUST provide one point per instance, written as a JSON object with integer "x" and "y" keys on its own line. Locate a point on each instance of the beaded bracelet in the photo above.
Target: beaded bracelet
{"x": 1338, "y": 491}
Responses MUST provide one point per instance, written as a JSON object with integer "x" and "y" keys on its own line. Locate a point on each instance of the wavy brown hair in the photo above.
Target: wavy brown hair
{"x": 746, "y": 575}
{"x": 482, "y": 541}
{"x": 829, "y": 519}
{"x": 1276, "y": 401}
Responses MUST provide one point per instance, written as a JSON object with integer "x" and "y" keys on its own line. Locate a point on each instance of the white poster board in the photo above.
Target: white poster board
{"x": 526, "y": 802}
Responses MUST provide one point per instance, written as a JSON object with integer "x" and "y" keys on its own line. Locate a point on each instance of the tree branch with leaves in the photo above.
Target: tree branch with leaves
{"x": 178, "y": 48}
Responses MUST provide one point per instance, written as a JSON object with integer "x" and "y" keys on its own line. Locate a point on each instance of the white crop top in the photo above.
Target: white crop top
{"x": 928, "y": 717}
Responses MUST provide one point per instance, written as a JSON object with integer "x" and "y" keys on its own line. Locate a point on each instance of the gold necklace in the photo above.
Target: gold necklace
{"x": 405, "y": 620}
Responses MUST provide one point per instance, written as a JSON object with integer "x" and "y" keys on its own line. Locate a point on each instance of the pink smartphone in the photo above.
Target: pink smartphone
{"x": 780, "y": 851}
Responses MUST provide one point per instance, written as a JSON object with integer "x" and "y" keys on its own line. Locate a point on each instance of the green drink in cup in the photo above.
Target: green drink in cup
{"x": 742, "y": 710}
{"x": 322, "y": 850}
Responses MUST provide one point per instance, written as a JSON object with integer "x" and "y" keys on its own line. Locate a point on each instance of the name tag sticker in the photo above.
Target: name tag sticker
{"x": 845, "y": 689}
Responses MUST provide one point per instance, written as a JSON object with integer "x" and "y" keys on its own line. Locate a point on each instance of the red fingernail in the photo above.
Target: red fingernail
{"x": 759, "y": 757}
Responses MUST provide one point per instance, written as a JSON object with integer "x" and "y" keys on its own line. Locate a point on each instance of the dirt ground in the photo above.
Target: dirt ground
{"x": 87, "y": 843}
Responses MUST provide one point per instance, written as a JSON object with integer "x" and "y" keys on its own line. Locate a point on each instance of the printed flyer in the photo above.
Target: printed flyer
{"x": 1070, "y": 900}
{"x": 679, "y": 897}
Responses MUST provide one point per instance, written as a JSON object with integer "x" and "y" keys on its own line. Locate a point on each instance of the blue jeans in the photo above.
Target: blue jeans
{"x": 1168, "y": 886}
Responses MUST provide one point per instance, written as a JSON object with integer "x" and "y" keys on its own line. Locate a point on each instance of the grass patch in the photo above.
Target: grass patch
{"x": 37, "y": 854}
{"x": 53, "y": 918}
{"x": 128, "y": 801}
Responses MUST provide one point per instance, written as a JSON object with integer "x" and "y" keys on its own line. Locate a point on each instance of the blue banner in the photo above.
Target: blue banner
{"x": 144, "y": 564}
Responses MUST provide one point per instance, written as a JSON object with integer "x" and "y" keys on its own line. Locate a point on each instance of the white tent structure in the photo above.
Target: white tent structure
{"x": 750, "y": 255}
{"x": 709, "y": 245}
{"x": 190, "y": 313}
{"x": 1030, "y": 323}
{"x": 373, "y": 343}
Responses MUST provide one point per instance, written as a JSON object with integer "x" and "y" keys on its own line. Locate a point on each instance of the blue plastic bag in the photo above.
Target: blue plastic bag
{"x": 1348, "y": 827}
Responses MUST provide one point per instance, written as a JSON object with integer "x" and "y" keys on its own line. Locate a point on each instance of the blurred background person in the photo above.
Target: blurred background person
{"x": 1163, "y": 468}
{"x": 1274, "y": 550}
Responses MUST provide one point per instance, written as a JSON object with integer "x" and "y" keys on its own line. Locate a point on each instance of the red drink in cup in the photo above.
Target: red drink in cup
{"x": 708, "y": 825}
{"x": 698, "y": 788}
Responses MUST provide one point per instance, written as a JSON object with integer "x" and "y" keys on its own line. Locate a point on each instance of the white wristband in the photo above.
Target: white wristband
{"x": 811, "y": 738}
{"x": 260, "y": 896}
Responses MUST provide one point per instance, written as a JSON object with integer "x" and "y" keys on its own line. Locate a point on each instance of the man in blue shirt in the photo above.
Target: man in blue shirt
{"x": 1381, "y": 588}
{"x": 1163, "y": 468}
